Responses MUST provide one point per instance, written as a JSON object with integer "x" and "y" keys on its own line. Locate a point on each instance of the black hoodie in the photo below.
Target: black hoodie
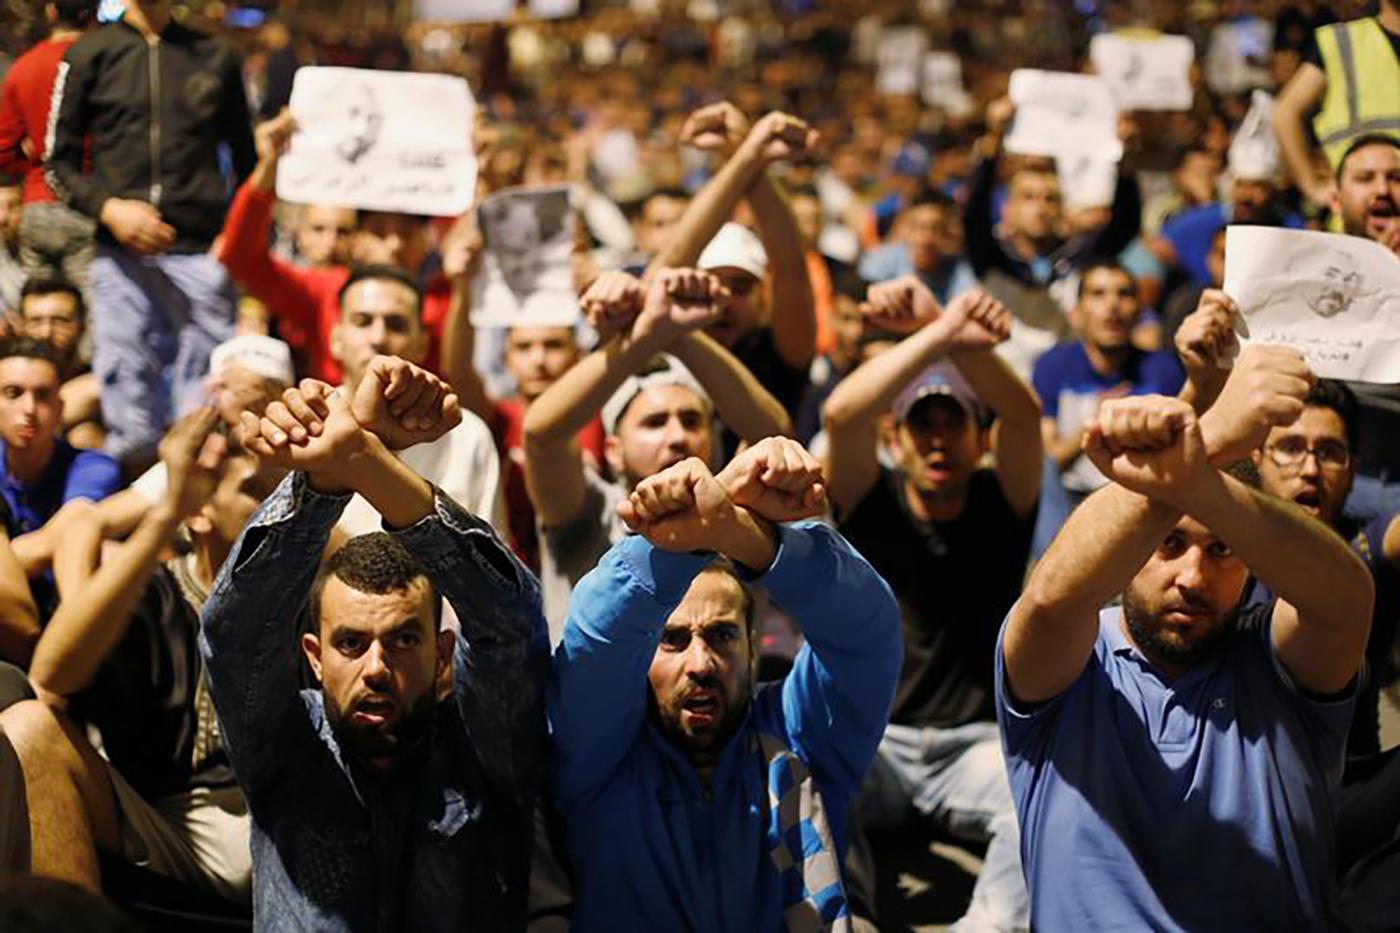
{"x": 155, "y": 114}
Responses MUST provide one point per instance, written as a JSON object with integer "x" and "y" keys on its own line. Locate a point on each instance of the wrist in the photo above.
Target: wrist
{"x": 164, "y": 518}
{"x": 749, "y": 540}
{"x": 353, "y": 460}
{"x": 1201, "y": 497}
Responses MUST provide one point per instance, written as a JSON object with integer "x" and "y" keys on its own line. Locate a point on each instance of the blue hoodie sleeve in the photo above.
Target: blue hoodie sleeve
{"x": 598, "y": 691}
{"x": 837, "y": 698}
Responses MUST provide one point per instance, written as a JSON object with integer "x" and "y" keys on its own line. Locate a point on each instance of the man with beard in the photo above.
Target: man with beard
{"x": 1368, "y": 190}
{"x": 952, "y": 538}
{"x": 374, "y": 804}
{"x": 1175, "y": 762}
{"x": 693, "y": 799}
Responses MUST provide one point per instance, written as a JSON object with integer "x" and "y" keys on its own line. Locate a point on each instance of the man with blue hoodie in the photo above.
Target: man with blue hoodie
{"x": 693, "y": 800}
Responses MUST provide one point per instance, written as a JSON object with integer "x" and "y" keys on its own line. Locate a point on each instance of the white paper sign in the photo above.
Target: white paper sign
{"x": 526, "y": 275}
{"x": 943, "y": 83}
{"x": 553, "y": 9}
{"x": 1334, "y": 298}
{"x": 463, "y": 11}
{"x": 1086, "y": 181}
{"x": 1145, "y": 74}
{"x": 1061, "y": 113}
{"x": 380, "y": 140}
{"x": 1254, "y": 152}
{"x": 899, "y": 58}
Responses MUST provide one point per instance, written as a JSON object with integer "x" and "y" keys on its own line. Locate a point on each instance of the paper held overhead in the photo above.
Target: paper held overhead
{"x": 380, "y": 140}
{"x": 1145, "y": 73}
{"x": 1060, "y": 113}
{"x": 1334, "y": 298}
{"x": 526, "y": 276}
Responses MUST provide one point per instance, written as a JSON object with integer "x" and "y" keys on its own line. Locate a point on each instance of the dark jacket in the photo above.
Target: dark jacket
{"x": 156, "y": 115}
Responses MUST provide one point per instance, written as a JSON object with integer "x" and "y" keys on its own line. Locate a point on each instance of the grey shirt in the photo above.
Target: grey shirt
{"x": 570, "y": 551}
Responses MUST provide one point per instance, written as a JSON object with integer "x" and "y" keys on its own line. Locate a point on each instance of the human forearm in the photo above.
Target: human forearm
{"x": 1297, "y": 99}
{"x": 1051, "y": 630}
{"x": 86, "y": 628}
{"x": 565, "y": 407}
{"x": 871, "y": 389}
{"x": 741, "y": 401}
{"x": 1000, "y": 389}
{"x": 19, "y": 616}
{"x": 459, "y": 352}
{"x": 709, "y": 209}
{"x": 400, "y": 496}
{"x": 793, "y": 319}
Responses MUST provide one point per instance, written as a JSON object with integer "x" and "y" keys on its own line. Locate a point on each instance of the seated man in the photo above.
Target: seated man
{"x": 52, "y": 311}
{"x": 930, "y": 525}
{"x": 44, "y": 474}
{"x": 1073, "y": 378}
{"x": 1175, "y": 761}
{"x": 693, "y": 799}
{"x": 120, "y": 655}
{"x": 373, "y": 803}
{"x": 655, "y": 412}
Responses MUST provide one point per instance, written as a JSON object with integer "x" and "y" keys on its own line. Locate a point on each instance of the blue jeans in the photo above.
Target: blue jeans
{"x": 155, "y": 320}
{"x": 958, "y": 777}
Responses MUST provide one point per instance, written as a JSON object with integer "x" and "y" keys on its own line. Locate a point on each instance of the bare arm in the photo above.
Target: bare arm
{"x": 1063, "y": 450}
{"x": 1299, "y": 98}
{"x": 741, "y": 401}
{"x": 461, "y": 253}
{"x": 1016, "y": 441}
{"x": 794, "y": 320}
{"x": 19, "y": 616}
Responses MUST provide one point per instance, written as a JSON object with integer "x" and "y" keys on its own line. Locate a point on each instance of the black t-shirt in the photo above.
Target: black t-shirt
{"x": 760, "y": 354}
{"x": 148, "y": 703}
{"x": 955, "y": 582}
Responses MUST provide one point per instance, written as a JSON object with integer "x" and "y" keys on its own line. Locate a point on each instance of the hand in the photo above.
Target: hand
{"x": 1206, "y": 339}
{"x": 612, "y": 303}
{"x": 194, "y": 457}
{"x": 717, "y": 128}
{"x": 1149, "y": 444}
{"x": 678, "y": 301}
{"x": 461, "y": 249}
{"x": 272, "y": 138}
{"x": 1000, "y": 113}
{"x": 1322, "y": 193}
{"x": 781, "y": 137}
{"x": 311, "y": 428}
{"x": 685, "y": 508}
{"x": 776, "y": 479}
{"x": 974, "y": 321}
{"x": 902, "y": 306}
{"x": 1266, "y": 389}
{"x": 137, "y": 226}
{"x": 403, "y": 404}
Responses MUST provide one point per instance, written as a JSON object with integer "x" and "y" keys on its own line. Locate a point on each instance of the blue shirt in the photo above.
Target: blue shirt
{"x": 1199, "y": 804}
{"x": 1191, "y": 231}
{"x": 70, "y": 474}
{"x": 953, "y": 276}
{"x": 444, "y": 841}
{"x": 653, "y": 847}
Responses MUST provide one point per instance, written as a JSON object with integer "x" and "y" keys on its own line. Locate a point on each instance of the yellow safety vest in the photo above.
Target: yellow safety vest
{"x": 1363, "y": 85}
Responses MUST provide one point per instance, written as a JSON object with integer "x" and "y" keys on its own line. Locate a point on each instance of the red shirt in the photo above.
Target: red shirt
{"x": 306, "y": 301}
{"x": 507, "y": 423}
{"x": 24, "y": 115}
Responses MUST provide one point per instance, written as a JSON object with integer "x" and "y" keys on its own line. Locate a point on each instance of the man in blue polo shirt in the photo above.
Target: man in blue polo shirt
{"x": 42, "y": 471}
{"x": 1175, "y": 761}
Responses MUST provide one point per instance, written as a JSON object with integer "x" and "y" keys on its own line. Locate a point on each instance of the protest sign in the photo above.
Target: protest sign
{"x": 1059, "y": 113}
{"x": 526, "y": 275}
{"x": 1145, "y": 74}
{"x": 380, "y": 140}
{"x": 553, "y": 9}
{"x": 1254, "y": 152}
{"x": 943, "y": 83}
{"x": 899, "y": 59}
{"x": 1086, "y": 181}
{"x": 463, "y": 11}
{"x": 1332, "y": 297}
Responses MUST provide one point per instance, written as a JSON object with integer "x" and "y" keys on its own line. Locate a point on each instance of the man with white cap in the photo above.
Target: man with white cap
{"x": 655, "y": 413}
{"x": 951, "y": 538}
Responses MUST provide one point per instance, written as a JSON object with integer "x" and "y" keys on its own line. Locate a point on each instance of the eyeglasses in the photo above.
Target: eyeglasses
{"x": 1290, "y": 452}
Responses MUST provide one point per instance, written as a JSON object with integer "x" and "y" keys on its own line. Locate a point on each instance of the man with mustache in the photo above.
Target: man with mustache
{"x": 1368, "y": 190}
{"x": 693, "y": 799}
{"x": 374, "y": 803}
{"x": 952, "y": 538}
{"x": 1175, "y": 761}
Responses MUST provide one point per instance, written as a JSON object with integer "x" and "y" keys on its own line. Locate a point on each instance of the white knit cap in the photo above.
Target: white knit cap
{"x": 265, "y": 356}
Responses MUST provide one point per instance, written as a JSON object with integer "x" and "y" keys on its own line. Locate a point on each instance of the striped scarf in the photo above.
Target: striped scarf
{"x": 801, "y": 845}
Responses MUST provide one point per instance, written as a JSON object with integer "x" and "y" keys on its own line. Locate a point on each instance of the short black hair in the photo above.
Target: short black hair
{"x": 383, "y": 272}
{"x": 75, "y": 14}
{"x": 52, "y": 285}
{"x": 30, "y": 349}
{"x": 1336, "y": 395}
{"x": 1094, "y": 264}
{"x": 1362, "y": 142}
{"x": 929, "y": 196}
{"x": 373, "y": 563}
{"x": 846, "y": 281}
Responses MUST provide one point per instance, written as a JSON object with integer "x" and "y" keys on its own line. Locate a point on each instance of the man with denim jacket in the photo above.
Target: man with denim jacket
{"x": 375, "y": 806}
{"x": 694, "y": 801}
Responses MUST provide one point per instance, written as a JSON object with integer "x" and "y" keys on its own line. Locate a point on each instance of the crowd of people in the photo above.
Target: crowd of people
{"x": 886, "y": 485}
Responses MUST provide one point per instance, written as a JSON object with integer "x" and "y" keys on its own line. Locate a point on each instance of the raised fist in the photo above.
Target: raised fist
{"x": 781, "y": 137}
{"x": 272, "y": 138}
{"x": 1206, "y": 339}
{"x": 678, "y": 301}
{"x": 901, "y": 306}
{"x": 682, "y": 508}
{"x": 776, "y": 479}
{"x": 612, "y": 303}
{"x": 716, "y": 128}
{"x": 1150, "y": 444}
{"x": 403, "y": 404}
{"x": 1266, "y": 389}
{"x": 974, "y": 321}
